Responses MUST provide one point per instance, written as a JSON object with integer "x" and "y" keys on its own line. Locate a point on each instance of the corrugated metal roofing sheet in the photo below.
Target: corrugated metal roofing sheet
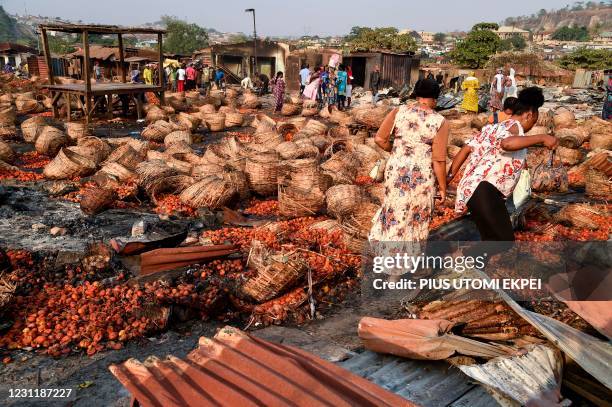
{"x": 237, "y": 369}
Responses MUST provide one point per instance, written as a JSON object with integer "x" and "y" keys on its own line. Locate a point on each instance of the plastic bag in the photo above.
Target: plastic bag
{"x": 522, "y": 191}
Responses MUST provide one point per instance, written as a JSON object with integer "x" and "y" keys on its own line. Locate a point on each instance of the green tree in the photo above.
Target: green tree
{"x": 587, "y": 59}
{"x": 513, "y": 43}
{"x": 486, "y": 26}
{"x": 183, "y": 38}
{"x": 440, "y": 38}
{"x": 571, "y": 34}
{"x": 387, "y": 38}
{"x": 237, "y": 38}
{"x": 60, "y": 45}
{"x": 474, "y": 51}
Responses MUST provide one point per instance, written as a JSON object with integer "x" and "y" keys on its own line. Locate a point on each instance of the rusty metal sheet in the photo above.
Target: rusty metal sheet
{"x": 169, "y": 259}
{"x": 235, "y": 368}
{"x": 428, "y": 339}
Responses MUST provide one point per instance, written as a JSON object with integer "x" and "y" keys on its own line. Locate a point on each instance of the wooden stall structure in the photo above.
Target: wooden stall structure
{"x": 93, "y": 93}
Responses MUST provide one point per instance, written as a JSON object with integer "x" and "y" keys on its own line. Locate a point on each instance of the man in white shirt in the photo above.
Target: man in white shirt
{"x": 304, "y": 77}
{"x": 180, "y": 78}
{"x": 246, "y": 83}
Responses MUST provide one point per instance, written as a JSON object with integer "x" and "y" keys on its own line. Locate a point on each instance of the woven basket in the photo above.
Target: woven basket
{"x": 207, "y": 109}
{"x": 578, "y": 215}
{"x": 158, "y": 130}
{"x": 32, "y": 127}
{"x": 7, "y": 116}
{"x": 340, "y": 117}
{"x": 76, "y": 130}
{"x": 211, "y": 192}
{"x": 226, "y": 109}
{"x": 126, "y": 156}
{"x": 342, "y": 167}
{"x": 6, "y": 153}
{"x": 291, "y": 151}
{"x": 178, "y": 136}
{"x": 174, "y": 184}
{"x": 479, "y": 121}
{"x": 155, "y": 113}
{"x": 7, "y": 132}
{"x": 309, "y": 111}
{"x": 68, "y": 164}
{"x": 601, "y": 140}
{"x": 233, "y": 119}
{"x": 290, "y": 109}
{"x": 376, "y": 192}
{"x": 563, "y": 118}
{"x": 6, "y": 99}
{"x": 597, "y": 184}
{"x": 28, "y": 106}
{"x": 239, "y": 181}
{"x": 101, "y": 147}
{"x": 215, "y": 121}
{"x": 50, "y": 141}
{"x": 204, "y": 170}
{"x": 303, "y": 174}
{"x": 276, "y": 272}
{"x": 270, "y": 139}
{"x": 572, "y": 137}
{"x": 156, "y": 155}
{"x": 117, "y": 171}
{"x": 342, "y": 200}
{"x": 461, "y": 136}
{"x": 569, "y": 156}
{"x": 262, "y": 172}
{"x": 298, "y": 202}
{"x": 188, "y": 122}
{"x": 182, "y": 167}
{"x": 359, "y": 223}
{"x": 372, "y": 118}
{"x": 251, "y": 101}
{"x": 150, "y": 172}
{"x": 96, "y": 200}
{"x": 263, "y": 123}
{"x": 535, "y": 130}
{"x": 367, "y": 158}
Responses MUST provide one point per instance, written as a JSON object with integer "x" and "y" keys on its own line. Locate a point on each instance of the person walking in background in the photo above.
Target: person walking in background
{"x": 304, "y": 77}
{"x": 341, "y": 79}
{"x": 328, "y": 88}
{"x": 219, "y": 78}
{"x": 246, "y": 83}
{"x": 264, "y": 83}
{"x": 349, "y": 85}
{"x": 470, "y": 97}
{"x": 440, "y": 78}
{"x": 206, "y": 78}
{"x": 606, "y": 113}
{"x": 496, "y": 156}
{"x": 180, "y": 78}
{"x": 191, "y": 76}
{"x": 147, "y": 75}
{"x": 510, "y": 90}
{"x": 97, "y": 71}
{"x": 497, "y": 91}
{"x": 173, "y": 78}
{"x": 375, "y": 81}
{"x": 279, "y": 91}
{"x": 311, "y": 91}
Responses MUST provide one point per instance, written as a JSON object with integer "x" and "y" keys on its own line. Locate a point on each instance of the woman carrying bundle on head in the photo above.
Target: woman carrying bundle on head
{"x": 496, "y": 157}
{"x": 497, "y": 90}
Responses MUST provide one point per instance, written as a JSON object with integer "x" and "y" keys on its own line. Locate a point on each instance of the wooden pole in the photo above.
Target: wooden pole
{"x": 87, "y": 74}
{"x": 43, "y": 34}
{"x": 160, "y": 69}
{"x": 121, "y": 58}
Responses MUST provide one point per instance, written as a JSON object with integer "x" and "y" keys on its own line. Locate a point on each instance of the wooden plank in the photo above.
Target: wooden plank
{"x": 45, "y": 42}
{"x": 109, "y": 107}
{"x": 68, "y": 108}
{"x": 160, "y": 69}
{"x": 121, "y": 59}
{"x": 99, "y": 29}
{"x": 476, "y": 397}
{"x": 87, "y": 74}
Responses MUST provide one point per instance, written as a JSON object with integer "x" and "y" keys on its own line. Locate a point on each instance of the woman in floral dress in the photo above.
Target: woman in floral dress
{"x": 418, "y": 160}
{"x": 279, "y": 91}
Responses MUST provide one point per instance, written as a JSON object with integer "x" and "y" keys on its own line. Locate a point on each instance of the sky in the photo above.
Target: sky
{"x": 289, "y": 17}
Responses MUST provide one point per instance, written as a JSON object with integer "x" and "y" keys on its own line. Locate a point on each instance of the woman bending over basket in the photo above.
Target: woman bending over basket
{"x": 496, "y": 157}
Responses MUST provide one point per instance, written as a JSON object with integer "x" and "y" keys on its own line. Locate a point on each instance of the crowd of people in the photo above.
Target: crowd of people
{"x": 328, "y": 85}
